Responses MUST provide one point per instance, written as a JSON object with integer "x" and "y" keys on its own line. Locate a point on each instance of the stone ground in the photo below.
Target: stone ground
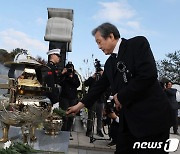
{"x": 81, "y": 143}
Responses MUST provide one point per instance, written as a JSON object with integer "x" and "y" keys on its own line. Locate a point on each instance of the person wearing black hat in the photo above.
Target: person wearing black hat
{"x": 52, "y": 77}
{"x": 69, "y": 82}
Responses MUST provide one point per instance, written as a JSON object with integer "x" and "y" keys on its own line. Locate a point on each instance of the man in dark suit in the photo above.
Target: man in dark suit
{"x": 96, "y": 109}
{"x": 144, "y": 111}
{"x": 171, "y": 93}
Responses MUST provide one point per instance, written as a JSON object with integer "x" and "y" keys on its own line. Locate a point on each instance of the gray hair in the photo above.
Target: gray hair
{"x": 106, "y": 29}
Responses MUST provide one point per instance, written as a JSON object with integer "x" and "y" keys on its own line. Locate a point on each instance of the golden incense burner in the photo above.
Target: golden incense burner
{"x": 25, "y": 105}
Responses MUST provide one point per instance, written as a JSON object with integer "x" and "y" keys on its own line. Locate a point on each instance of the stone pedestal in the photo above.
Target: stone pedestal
{"x": 54, "y": 143}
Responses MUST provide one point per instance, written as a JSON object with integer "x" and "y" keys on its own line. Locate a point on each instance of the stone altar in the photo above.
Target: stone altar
{"x": 51, "y": 143}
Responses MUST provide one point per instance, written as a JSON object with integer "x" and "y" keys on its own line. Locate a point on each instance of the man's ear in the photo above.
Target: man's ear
{"x": 111, "y": 36}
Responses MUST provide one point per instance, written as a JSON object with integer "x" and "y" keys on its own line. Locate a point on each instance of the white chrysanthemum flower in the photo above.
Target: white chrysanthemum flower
{"x": 7, "y": 144}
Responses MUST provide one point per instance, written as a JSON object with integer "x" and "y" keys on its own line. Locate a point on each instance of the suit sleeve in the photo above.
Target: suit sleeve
{"x": 145, "y": 73}
{"x": 170, "y": 92}
{"x": 89, "y": 82}
{"x": 96, "y": 91}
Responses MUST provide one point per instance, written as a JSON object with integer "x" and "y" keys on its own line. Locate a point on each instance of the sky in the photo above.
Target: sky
{"x": 23, "y": 25}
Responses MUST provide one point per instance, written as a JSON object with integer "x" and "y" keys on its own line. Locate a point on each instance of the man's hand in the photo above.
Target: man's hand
{"x": 94, "y": 76}
{"x": 71, "y": 75}
{"x": 64, "y": 71}
{"x": 75, "y": 109}
{"x": 117, "y": 103}
{"x": 112, "y": 115}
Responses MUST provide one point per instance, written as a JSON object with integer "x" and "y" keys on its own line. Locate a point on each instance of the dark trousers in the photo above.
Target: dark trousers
{"x": 113, "y": 131}
{"x": 175, "y": 119}
{"x": 95, "y": 110}
{"x": 67, "y": 121}
{"x": 126, "y": 142}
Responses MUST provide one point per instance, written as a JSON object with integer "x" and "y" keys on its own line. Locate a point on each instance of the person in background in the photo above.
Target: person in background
{"x": 69, "y": 82}
{"x": 96, "y": 109}
{"x": 52, "y": 78}
{"x": 171, "y": 93}
{"x": 111, "y": 118}
{"x": 130, "y": 71}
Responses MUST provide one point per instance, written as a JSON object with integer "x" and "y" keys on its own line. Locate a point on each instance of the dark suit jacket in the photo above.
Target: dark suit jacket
{"x": 145, "y": 105}
{"x": 171, "y": 93}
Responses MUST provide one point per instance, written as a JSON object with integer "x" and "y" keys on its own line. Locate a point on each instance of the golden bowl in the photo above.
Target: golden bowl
{"x": 53, "y": 125}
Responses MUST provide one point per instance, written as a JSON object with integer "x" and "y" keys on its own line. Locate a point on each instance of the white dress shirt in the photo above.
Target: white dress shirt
{"x": 116, "y": 49}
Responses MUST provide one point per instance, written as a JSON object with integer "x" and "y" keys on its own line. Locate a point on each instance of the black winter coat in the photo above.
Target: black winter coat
{"x": 69, "y": 86}
{"x": 145, "y": 106}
